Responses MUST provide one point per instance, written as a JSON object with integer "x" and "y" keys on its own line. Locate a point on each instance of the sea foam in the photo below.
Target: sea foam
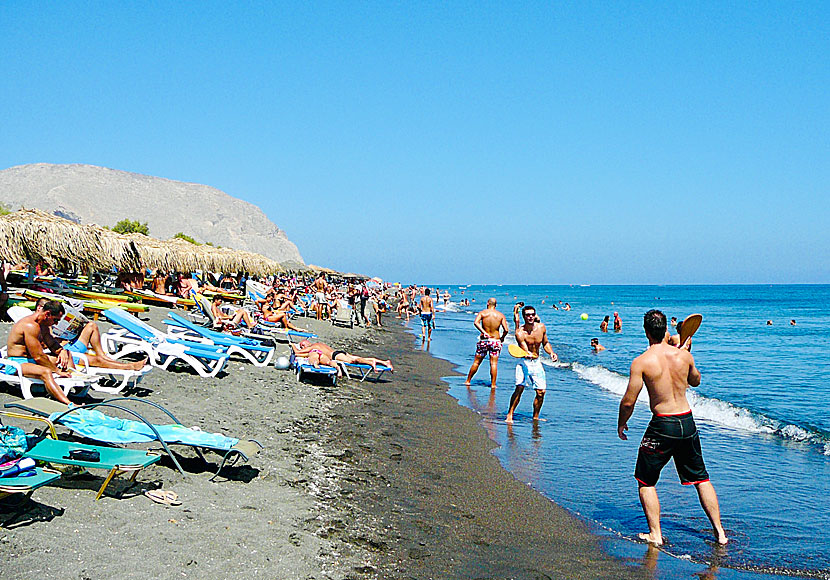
{"x": 709, "y": 409}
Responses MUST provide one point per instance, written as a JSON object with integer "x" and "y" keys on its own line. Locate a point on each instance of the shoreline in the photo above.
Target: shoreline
{"x": 361, "y": 480}
{"x": 451, "y": 510}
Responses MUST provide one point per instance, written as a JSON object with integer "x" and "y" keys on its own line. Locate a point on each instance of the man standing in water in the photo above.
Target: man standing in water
{"x": 493, "y": 328}
{"x": 530, "y": 336}
{"x": 427, "y": 315}
{"x": 667, "y": 372}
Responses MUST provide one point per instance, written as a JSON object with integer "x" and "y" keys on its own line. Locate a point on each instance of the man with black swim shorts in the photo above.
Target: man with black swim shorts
{"x": 667, "y": 372}
{"x": 492, "y": 327}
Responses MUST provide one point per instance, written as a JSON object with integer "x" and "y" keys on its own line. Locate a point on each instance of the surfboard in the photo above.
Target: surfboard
{"x": 689, "y": 326}
{"x": 517, "y": 351}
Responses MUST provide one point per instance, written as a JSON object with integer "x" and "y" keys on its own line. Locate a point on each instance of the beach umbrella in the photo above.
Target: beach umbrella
{"x": 33, "y": 235}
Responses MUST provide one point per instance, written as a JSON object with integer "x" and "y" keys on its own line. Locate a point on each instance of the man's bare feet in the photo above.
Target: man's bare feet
{"x": 509, "y": 419}
{"x": 651, "y": 540}
{"x": 720, "y": 537}
{"x": 467, "y": 384}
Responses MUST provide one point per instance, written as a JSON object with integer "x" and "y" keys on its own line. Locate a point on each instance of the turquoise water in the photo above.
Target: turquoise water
{"x": 762, "y": 408}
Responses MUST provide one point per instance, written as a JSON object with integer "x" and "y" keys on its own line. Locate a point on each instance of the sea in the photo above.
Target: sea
{"x": 762, "y": 409}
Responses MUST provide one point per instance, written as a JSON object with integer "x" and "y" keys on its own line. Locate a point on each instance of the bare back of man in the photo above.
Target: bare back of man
{"x": 667, "y": 371}
{"x": 493, "y": 328}
{"x": 427, "y": 307}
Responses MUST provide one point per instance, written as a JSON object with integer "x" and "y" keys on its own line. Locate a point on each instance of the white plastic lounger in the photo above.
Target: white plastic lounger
{"x": 162, "y": 350}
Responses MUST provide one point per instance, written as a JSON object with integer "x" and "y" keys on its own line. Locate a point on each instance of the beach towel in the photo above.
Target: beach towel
{"x": 100, "y": 427}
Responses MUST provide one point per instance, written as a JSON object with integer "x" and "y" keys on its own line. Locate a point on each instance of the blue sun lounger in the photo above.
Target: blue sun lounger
{"x": 162, "y": 349}
{"x": 252, "y": 350}
{"x": 363, "y": 371}
{"x": 90, "y": 423}
{"x": 303, "y": 368}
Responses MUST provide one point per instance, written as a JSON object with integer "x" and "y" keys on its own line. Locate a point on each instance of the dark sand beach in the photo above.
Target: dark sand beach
{"x": 362, "y": 480}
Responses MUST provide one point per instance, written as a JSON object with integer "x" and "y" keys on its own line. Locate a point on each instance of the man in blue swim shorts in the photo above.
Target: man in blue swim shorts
{"x": 24, "y": 347}
{"x": 89, "y": 344}
{"x": 667, "y": 371}
{"x": 427, "y": 314}
{"x": 531, "y": 336}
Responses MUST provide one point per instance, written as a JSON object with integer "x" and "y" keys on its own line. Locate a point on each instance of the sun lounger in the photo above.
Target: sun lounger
{"x": 140, "y": 430}
{"x": 27, "y": 484}
{"x": 79, "y": 381}
{"x": 162, "y": 349}
{"x": 344, "y": 316}
{"x": 120, "y": 378}
{"x": 118, "y": 461}
{"x": 363, "y": 371}
{"x": 303, "y": 368}
{"x": 251, "y": 350}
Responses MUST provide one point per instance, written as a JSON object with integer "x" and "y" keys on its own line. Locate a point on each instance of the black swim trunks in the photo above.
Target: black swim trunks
{"x": 670, "y": 436}
{"x": 335, "y": 353}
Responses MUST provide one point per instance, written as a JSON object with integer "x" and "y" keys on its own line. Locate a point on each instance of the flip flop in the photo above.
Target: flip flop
{"x": 163, "y": 497}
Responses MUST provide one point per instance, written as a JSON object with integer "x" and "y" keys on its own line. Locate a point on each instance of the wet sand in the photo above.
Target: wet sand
{"x": 363, "y": 480}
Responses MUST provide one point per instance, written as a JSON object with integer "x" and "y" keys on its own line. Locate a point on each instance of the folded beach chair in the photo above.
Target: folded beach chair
{"x": 303, "y": 368}
{"x": 363, "y": 371}
{"x": 25, "y": 485}
{"x": 162, "y": 350}
{"x": 10, "y": 372}
{"x": 88, "y": 422}
{"x": 344, "y": 315}
{"x": 252, "y": 350}
{"x": 53, "y": 450}
{"x": 119, "y": 379}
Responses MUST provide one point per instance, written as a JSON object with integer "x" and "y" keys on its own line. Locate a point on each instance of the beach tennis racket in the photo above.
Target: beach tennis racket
{"x": 516, "y": 351}
{"x": 690, "y": 325}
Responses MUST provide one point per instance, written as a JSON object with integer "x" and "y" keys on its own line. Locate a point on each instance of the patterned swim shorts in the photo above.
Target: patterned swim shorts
{"x": 489, "y": 346}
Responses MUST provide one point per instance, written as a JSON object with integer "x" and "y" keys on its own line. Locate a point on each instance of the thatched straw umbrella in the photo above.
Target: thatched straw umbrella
{"x": 34, "y": 235}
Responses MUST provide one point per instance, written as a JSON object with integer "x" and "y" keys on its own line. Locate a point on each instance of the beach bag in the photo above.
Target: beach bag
{"x": 13, "y": 442}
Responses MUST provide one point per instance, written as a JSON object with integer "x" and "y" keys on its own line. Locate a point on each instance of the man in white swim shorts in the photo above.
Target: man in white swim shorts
{"x": 531, "y": 336}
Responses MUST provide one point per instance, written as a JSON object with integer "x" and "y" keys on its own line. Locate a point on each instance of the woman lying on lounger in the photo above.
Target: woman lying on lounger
{"x": 277, "y": 316}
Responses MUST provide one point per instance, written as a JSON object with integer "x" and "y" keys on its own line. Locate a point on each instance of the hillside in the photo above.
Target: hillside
{"x": 90, "y": 194}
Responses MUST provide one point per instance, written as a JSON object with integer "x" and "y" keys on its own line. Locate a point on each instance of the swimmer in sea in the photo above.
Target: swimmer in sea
{"x": 667, "y": 372}
{"x": 596, "y": 346}
{"x": 492, "y": 327}
{"x": 603, "y": 326}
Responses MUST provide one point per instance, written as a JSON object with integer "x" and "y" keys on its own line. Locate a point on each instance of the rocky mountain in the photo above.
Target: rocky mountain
{"x": 90, "y": 194}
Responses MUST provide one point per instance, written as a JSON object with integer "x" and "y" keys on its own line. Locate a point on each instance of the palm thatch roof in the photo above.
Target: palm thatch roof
{"x": 34, "y": 235}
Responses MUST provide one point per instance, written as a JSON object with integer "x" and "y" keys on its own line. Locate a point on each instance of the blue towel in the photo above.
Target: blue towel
{"x": 100, "y": 427}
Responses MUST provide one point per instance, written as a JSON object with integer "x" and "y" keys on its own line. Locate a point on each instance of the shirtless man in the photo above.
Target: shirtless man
{"x": 492, "y": 327}
{"x": 427, "y": 307}
{"x": 617, "y": 322}
{"x": 667, "y": 372}
{"x": 24, "y": 346}
{"x": 319, "y": 353}
{"x": 596, "y": 346}
{"x": 531, "y": 336}
{"x": 403, "y": 305}
{"x": 88, "y": 343}
{"x": 320, "y": 296}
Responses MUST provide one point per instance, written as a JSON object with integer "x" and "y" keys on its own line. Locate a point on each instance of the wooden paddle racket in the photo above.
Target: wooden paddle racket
{"x": 689, "y": 326}
{"x": 516, "y": 351}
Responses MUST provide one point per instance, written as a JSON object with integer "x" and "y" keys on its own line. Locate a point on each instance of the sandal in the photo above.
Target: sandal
{"x": 163, "y": 497}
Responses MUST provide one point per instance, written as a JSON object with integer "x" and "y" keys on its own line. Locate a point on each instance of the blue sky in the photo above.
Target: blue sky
{"x": 457, "y": 142}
